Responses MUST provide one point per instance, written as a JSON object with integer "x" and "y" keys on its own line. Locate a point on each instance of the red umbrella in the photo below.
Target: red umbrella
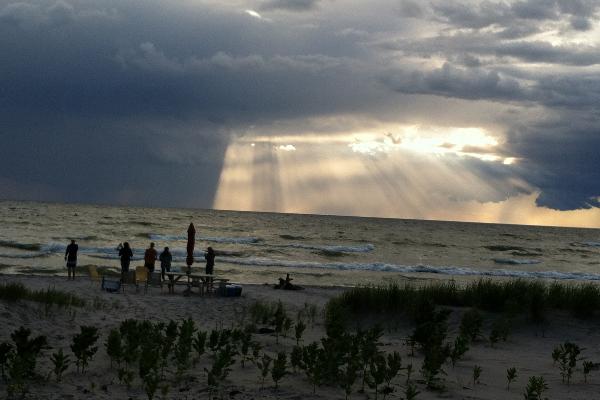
{"x": 190, "y": 246}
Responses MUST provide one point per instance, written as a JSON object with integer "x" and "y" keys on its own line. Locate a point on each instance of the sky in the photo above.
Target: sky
{"x": 470, "y": 110}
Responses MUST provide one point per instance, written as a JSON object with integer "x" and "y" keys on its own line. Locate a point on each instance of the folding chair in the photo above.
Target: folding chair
{"x": 141, "y": 276}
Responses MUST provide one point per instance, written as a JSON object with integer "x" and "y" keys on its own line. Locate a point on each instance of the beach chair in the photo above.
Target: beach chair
{"x": 94, "y": 275}
{"x": 155, "y": 280}
{"x": 141, "y": 276}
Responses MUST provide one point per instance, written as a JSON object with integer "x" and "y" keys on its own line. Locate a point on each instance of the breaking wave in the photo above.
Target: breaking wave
{"x": 444, "y": 270}
{"x": 513, "y": 261}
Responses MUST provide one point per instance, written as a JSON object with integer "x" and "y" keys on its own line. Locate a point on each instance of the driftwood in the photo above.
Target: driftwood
{"x": 286, "y": 284}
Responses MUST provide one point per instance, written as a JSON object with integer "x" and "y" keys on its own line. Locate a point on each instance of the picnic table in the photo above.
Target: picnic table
{"x": 204, "y": 282}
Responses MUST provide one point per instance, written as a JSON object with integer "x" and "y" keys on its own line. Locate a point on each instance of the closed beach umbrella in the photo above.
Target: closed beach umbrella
{"x": 191, "y": 240}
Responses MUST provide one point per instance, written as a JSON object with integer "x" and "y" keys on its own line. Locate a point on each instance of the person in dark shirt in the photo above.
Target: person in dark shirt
{"x": 71, "y": 259}
{"x": 125, "y": 254}
{"x": 165, "y": 261}
{"x": 210, "y": 260}
{"x": 150, "y": 257}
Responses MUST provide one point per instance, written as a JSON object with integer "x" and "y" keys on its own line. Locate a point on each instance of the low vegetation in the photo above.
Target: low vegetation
{"x": 511, "y": 297}
{"x": 17, "y": 291}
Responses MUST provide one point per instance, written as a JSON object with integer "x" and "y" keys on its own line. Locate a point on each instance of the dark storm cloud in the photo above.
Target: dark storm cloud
{"x": 292, "y": 5}
{"x": 126, "y": 102}
{"x": 136, "y": 102}
{"x": 486, "y": 13}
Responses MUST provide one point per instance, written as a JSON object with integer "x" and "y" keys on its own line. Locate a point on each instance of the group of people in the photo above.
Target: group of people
{"x": 150, "y": 257}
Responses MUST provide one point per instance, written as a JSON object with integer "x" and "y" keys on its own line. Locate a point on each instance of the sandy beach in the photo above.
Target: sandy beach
{"x": 526, "y": 349}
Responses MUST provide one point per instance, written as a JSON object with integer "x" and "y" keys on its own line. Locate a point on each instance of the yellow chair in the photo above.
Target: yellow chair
{"x": 94, "y": 275}
{"x": 141, "y": 275}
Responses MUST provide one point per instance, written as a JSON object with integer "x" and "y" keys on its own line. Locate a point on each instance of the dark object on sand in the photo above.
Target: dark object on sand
{"x": 191, "y": 240}
{"x": 286, "y": 284}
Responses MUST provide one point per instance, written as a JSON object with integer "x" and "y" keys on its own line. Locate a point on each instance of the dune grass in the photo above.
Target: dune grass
{"x": 17, "y": 291}
{"x": 513, "y": 296}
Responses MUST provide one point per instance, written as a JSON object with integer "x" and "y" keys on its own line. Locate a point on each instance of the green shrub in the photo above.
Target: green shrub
{"x": 114, "y": 348}
{"x": 511, "y": 376}
{"x": 461, "y": 346}
{"x": 83, "y": 346}
{"x": 536, "y": 386}
{"x": 60, "y": 362}
{"x": 567, "y": 359}
{"x": 470, "y": 324}
{"x": 477, "y": 370}
{"x": 279, "y": 368}
{"x": 264, "y": 365}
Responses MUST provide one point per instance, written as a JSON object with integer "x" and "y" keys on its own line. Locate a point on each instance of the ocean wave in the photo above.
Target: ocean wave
{"x": 21, "y": 246}
{"x": 25, "y": 256}
{"x": 384, "y": 267}
{"x": 230, "y": 240}
{"x": 331, "y": 248}
{"x": 515, "y": 261}
{"x": 591, "y": 244}
{"x": 292, "y": 237}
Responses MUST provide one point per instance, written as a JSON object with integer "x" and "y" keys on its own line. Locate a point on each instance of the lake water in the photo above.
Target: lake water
{"x": 314, "y": 249}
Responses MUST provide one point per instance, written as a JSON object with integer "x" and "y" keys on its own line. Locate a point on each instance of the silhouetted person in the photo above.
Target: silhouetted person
{"x": 125, "y": 254}
{"x": 165, "y": 262}
{"x": 150, "y": 258}
{"x": 71, "y": 259}
{"x": 210, "y": 260}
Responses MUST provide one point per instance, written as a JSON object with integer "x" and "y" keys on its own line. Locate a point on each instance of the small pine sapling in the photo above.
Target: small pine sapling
{"x": 296, "y": 358}
{"x": 213, "y": 340}
{"x": 183, "y": 347}
{"x": 394, "y": 365}
{"x": 310, "y": 361}
{"x": 349, "y": 374}
{"x": 299, "y": 329}
{"x": 279, "y": 368}
{"x": 83, "y": 346}
{"x": 114, "y": 348}
{"x": 511, "y": 376}
{"x": 6, "y": 351}
{"x": 60, "y": 363}
{"x": 568, "y": 353}
{"x": 476, "y": 374}
{"x": 471, "y": 323}
{"x": 279, "y": 320}
{"x": 556, "y": 355}
{"x": 377, "y": 371}
{"x": 587, "y": 368}
{"x": 264, "y": 364}
{"x": 410, "y": 389}
{"x": 245, "y": 343}
{"x": 461, "y": 346}
{"x": 199, "y": 345}
{"x": 500, "y": 330}
{"x": 287, "y": 325}
{"x": 536, "y": 386}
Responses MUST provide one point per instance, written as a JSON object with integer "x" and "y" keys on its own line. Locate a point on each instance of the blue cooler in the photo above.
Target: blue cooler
{"x": 232, "y": 290}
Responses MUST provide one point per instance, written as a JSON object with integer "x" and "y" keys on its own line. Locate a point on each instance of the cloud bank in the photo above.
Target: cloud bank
{"x": 137, "y": 103}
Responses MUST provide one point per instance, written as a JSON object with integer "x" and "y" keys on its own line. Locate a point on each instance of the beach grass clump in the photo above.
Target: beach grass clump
{"x": 13, "y": 292}
{"x": 530, "y": 297}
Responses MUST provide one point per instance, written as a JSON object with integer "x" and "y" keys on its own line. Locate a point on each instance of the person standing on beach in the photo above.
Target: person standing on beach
{"x": 125, "y": 254}
{"x": 150, "y": 258}
{"x": 71, "y": 259}
{"x": 165, "y": 262}
{"x": 210, "y": 260}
